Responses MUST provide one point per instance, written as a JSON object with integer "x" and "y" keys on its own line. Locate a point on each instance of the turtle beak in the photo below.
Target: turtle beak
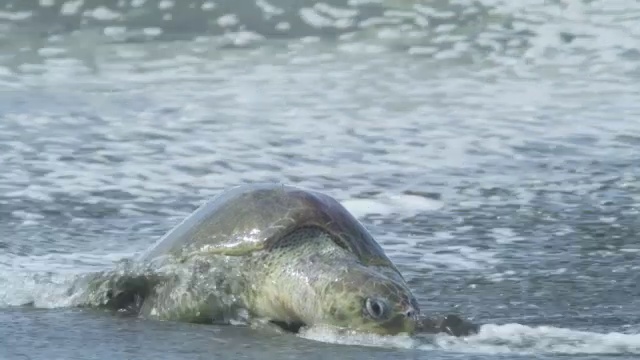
{"x": 404, "y": 321}
{"x": 411, "y": 313}
{"x": 450, "y": 324}
{"x": 410, "y": 319}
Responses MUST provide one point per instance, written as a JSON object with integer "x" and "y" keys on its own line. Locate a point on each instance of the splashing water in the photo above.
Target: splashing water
{"x": 497, "y": 339}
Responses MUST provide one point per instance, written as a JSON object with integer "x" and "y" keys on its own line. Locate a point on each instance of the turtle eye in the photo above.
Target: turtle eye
{"x": 376, "y": 308}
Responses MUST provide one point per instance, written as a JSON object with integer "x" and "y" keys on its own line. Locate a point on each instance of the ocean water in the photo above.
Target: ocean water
{"x": 492, "y": 147}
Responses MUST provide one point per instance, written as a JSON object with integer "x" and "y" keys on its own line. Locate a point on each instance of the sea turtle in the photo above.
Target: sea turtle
{"x": 301, "y": 259}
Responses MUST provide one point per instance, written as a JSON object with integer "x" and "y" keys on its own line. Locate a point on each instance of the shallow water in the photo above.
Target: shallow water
{"x": 490, "y": 147}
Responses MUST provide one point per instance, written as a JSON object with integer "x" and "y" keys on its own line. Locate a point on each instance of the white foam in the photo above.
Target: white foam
{"x": 332, "y": 336}
{"x": 42, "y": 290}
{"x": 71, "y": 7}
{"x": 104, "y": 13}
{"x": 45, "y": 280}
{"x": 461, "y": 258}
{"x": 363, "y": 207}
{"x": 495, "y": 339}
{"x": 521, "y": 339}
{"x": 394, "y": 204}
{"x": 505, "y": 235}
{"x": 58, "y": 263}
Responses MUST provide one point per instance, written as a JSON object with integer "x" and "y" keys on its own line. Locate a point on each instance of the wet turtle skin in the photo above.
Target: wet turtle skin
{"x": 259, "y": 216}
{"x": 303, "y": 260}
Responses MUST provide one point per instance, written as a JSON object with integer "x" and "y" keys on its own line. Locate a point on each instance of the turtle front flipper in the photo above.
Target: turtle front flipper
{"x": 128, "y": 293}
{"x": 113, "y": 290}
{"x": 276, "y": 327}
{"x": 202, "y": 296}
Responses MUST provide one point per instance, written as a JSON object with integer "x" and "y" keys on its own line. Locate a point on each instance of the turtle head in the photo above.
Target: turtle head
{"x": 309, "y": 279}
{"x": 367, "y": 300}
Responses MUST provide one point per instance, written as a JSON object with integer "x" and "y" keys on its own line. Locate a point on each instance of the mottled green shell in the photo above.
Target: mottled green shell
{"x": 258, "y": 216}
